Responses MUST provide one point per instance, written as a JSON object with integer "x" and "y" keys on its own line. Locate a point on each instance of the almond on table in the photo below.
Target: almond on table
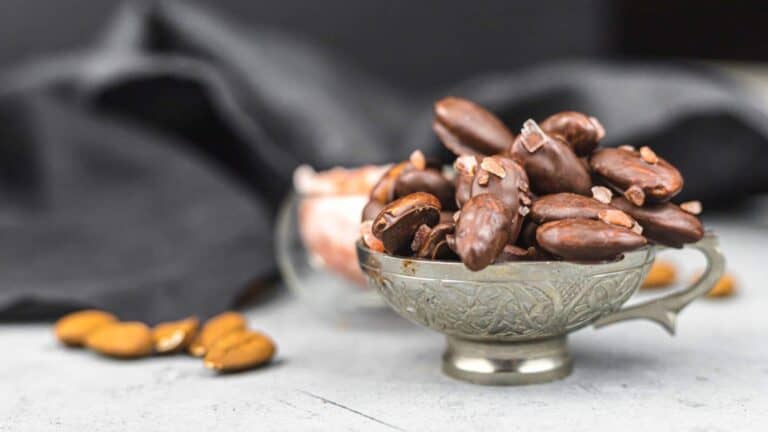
{"x": 130, "y": 339}
{"x": 72, "y": 329}
{"x": 725, "y": 287}
{"x": 662, "y": 273}
{"x": 174, "y": 336}
{"x": 239, "y": 350}
{"x": 215, "y": 328}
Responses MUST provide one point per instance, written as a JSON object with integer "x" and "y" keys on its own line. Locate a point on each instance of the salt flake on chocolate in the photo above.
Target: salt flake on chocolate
{"x": 532, "y": 136}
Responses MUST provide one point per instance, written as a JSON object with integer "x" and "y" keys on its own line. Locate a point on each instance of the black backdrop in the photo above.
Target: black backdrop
{"x": 428, "y": 44}
{"x": 413, "y": 44}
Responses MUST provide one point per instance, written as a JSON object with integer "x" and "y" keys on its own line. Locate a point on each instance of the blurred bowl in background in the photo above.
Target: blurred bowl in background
{"x": 318, "y": 226}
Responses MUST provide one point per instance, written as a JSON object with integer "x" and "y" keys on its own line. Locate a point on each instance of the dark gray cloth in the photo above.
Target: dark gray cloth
{"x": 142, "y": 175}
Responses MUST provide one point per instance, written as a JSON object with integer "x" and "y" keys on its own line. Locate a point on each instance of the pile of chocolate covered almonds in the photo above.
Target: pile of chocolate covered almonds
{"x": 547, "y": 193}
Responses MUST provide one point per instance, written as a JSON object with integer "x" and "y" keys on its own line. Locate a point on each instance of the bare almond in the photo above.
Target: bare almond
{"x": 616, "y": 217}
{"x": 725, "y": 287}
{"x": 174, "y": 336}
{"x": 131, "y": 339}
{"x": 72, "y": 329}
{"x": 417, "y": 160}
{"x": 692, "y": 207}
{"x": 635, "y": 195}
{"x": 648, "y": 155}
{"x": 662, "y": 274}
{"x": 215, "y": 328}
{"x": 493, "y": 166}
{"x": 239, "y": 350}
{"x": 602, "y": 194}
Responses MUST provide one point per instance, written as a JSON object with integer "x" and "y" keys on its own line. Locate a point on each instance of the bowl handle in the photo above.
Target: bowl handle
{"x": 664, "y": 310}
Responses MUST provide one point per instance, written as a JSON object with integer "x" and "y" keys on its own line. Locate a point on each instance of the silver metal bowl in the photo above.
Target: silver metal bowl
{"x": 507, "y": 324}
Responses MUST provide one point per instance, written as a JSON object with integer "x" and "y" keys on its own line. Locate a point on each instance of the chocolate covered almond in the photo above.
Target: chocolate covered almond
{"x": 505, "y": 179}
{"x": 551, "y": 164}
{"x": 638, "y": 175}
{"x": 430, "y": 181}
{"x": 663, "y": 223}
{"x": 466, "y": 128}
{"x": 482, "y": 231}
{"x": 573, "y": 206}
{"x": 398, "y": 221}
{"x": 587, "y": 239}
{"x": 580, "y": 131}
{"x": 384, "y": 190}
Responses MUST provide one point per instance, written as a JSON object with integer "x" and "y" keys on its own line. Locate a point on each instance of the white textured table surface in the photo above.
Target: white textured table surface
{"x": 713, "y": 376}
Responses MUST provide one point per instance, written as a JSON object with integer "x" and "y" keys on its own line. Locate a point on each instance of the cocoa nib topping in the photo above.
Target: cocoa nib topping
{"x": 692, "y": 207}
{"x": 580, "y": 131}
{"x": 602, "y": 194}
{"x": 399, "y": 220}
{"x": 616, "y": 217}
{"x": 493, "y": 166}
{"x": 465, "y": 165}
{"x": 648, "y": 155}
{"x": 635, "y": 195}
{"x": 417, "y": 160}
{"x": 483, "y": 177}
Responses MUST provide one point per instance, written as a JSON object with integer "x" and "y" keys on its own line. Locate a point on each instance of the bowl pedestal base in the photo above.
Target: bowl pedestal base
{"x": 507, "y": 363}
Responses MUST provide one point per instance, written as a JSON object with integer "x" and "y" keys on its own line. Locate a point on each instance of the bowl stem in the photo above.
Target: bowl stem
{"x": 507, "y": 363}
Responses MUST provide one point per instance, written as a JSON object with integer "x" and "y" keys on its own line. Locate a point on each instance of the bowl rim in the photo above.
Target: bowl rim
{"x": 533, "y": 270}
